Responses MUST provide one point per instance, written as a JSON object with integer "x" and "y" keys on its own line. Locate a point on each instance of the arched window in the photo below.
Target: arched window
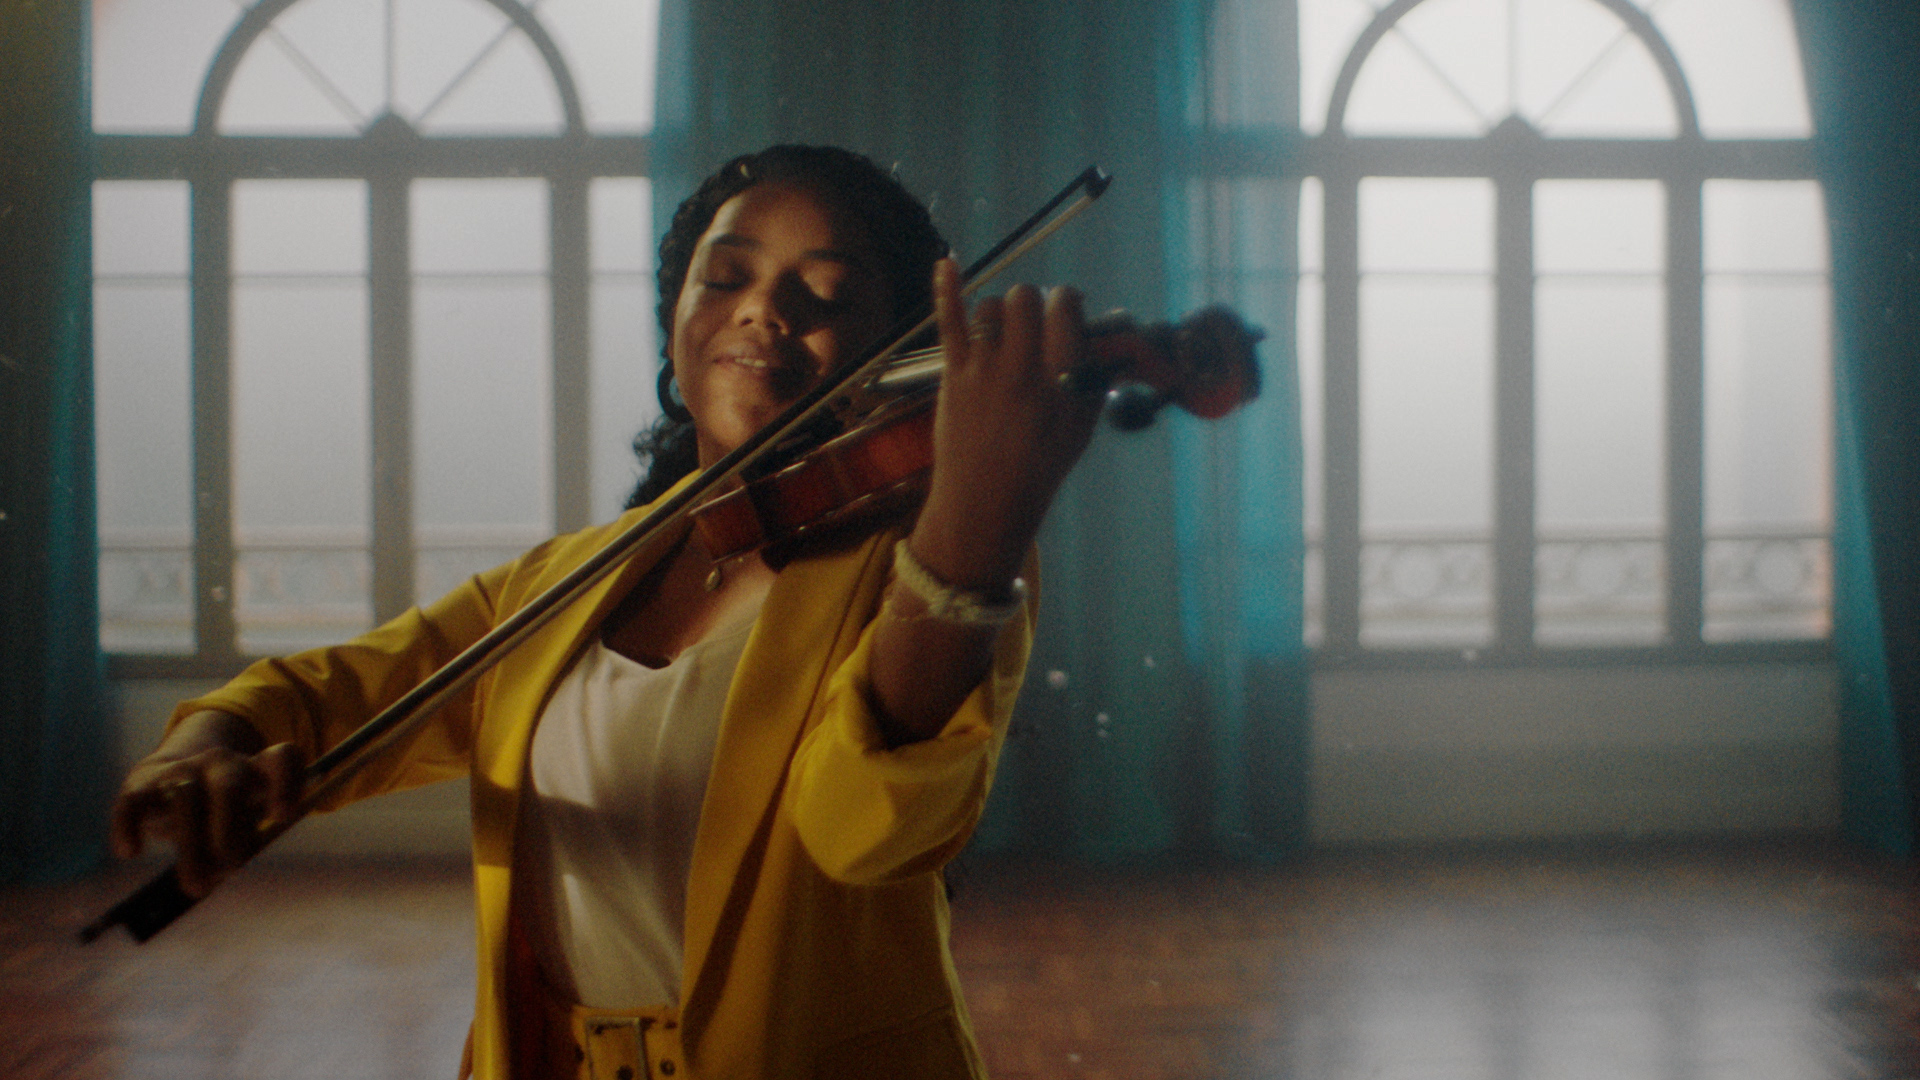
{"x": 373, "y": 304}
{"x": 1562, "y": 308}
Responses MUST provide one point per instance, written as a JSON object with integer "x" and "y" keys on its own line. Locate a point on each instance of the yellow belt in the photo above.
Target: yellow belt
{"x": 573, "y": 1042}
{"x": 554, "y": 1039}
{"x": 624, "y": 1045}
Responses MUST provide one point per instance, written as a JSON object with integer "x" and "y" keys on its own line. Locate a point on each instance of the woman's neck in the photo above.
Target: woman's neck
{"x": 682, "y": 601}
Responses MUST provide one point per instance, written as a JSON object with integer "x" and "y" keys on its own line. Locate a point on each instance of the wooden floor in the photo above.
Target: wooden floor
{"x": 1730, "y": 962}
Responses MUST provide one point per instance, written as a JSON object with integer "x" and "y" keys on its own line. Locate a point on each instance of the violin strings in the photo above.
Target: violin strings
{"x": 922, "y": 364}
{"x": 912, "y": 367}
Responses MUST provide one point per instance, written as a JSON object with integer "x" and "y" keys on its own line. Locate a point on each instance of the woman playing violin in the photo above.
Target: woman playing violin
{"x": 711, "y": 799}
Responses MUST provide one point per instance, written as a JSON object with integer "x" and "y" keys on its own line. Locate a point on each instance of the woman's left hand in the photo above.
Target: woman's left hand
{"x": 1006, "y": 431}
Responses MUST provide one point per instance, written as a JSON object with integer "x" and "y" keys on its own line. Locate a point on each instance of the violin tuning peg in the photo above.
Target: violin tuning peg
{"x": 1134, "y": 408}
{"x": 1112, "y": 321}
{"x": 1086, "y": 379}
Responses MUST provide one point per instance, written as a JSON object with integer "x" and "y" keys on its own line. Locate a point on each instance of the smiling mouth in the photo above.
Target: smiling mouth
{"x": 787, "y": 377}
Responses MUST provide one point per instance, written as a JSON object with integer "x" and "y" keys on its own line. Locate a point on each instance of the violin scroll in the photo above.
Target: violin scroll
{"x": 1205, "y": 364}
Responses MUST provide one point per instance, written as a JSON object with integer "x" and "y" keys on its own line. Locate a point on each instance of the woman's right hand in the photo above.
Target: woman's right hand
{"x": 207, "y": 791}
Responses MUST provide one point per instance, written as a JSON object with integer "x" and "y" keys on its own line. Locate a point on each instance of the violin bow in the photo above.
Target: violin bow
{"x": 155, "y": 905}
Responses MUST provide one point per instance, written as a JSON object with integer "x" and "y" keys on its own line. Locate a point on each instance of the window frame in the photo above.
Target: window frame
{"x": 1514, "y": 156}
{"x": 388, "y": 156}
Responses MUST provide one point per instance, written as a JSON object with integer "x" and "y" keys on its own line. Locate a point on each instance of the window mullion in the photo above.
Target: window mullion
{"x": 1341, "y": 546}
{"x": 1686, "y": 414}
{"x": 572, "y": 393}
{"x": 215, "y": 635}
{"x": 390, "y": 353}
{"x": 1513, "y": 529}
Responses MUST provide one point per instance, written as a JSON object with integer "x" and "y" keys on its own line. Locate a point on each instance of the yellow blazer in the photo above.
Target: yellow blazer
{"x": 816, "y": 922}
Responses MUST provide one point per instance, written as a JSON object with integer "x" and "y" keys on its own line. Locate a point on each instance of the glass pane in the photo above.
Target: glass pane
{"x": 149, "y": 58}
{"x": 460, "y": 66}
{"x": 289, "y": 83}
{"x": 299, "y": 227}
{"x": 1600, "y": 424}
{"x": 1769, "y": 456}
{"x": 620, "y": 215}
{"x": 1581, "y": 73}
{"x": 1769, "y": 452}
{"x": 1599, "y": 227}
{"x": 626, "y": 350}
{"x": 508, "y": 90}
{"x": 1463, "y": 46}
{"x": 468, "y": 227}
{"x": 1327, "y": 32}
{"x": 1426, "y": 226}
{"x": 338, "y": 46}
{"x": 1742, "y": 59}
{"x": 435, "y": 43}
{"x": 1764, "y": 226}
{"x": 142, "y": 416}
{"x": 1426, "y": 399}
{"x": 140, "y": 228}
{"x": 300, "y": 413}
{"x": 1600, "y": 420}
{"x": 1403, "y": 91}
{"x": 1458, "y": 67}
{"x": 482, "y": 353}
{"x": 609, "y": 45}
{"x": 1313, "y": 231}
{"x": 322, "y": 68}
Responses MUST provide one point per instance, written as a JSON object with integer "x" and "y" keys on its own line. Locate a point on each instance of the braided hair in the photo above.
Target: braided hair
{"x": 897, "y": 225}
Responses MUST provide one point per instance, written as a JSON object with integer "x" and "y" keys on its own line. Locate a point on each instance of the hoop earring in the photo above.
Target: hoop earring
{"x": 671, "y": 403}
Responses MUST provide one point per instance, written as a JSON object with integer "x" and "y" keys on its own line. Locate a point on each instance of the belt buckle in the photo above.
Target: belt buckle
{"x": 600, "y": 1025}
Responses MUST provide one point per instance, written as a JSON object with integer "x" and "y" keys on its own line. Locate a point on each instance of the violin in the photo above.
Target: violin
{"x": 878, "y": 471}
{"x": 789, "y": 484}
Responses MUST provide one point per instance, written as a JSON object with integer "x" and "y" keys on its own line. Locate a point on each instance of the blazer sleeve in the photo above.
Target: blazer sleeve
{"x": 871, "y": 815}
{"x": 314, "y": 699}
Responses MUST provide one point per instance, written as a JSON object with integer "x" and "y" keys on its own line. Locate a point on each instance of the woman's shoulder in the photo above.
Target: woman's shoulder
{"x": 553, "y": 559}
{"x": 558, "y": 556}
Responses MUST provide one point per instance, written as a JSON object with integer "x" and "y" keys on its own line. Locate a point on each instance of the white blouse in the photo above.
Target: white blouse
{"x": 618, "y": 771}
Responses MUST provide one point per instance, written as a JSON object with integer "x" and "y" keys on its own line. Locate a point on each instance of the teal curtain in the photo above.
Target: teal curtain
{"x": 1863, "y": 63}
{"x": 53, "y": 765}
{"x": 1235, "y": 79}
{"x": 1163, "y": 714}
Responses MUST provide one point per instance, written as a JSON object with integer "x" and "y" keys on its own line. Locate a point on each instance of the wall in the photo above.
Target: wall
{"x": 1452, "y": 755}
{"x": 1409, "y": 756}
